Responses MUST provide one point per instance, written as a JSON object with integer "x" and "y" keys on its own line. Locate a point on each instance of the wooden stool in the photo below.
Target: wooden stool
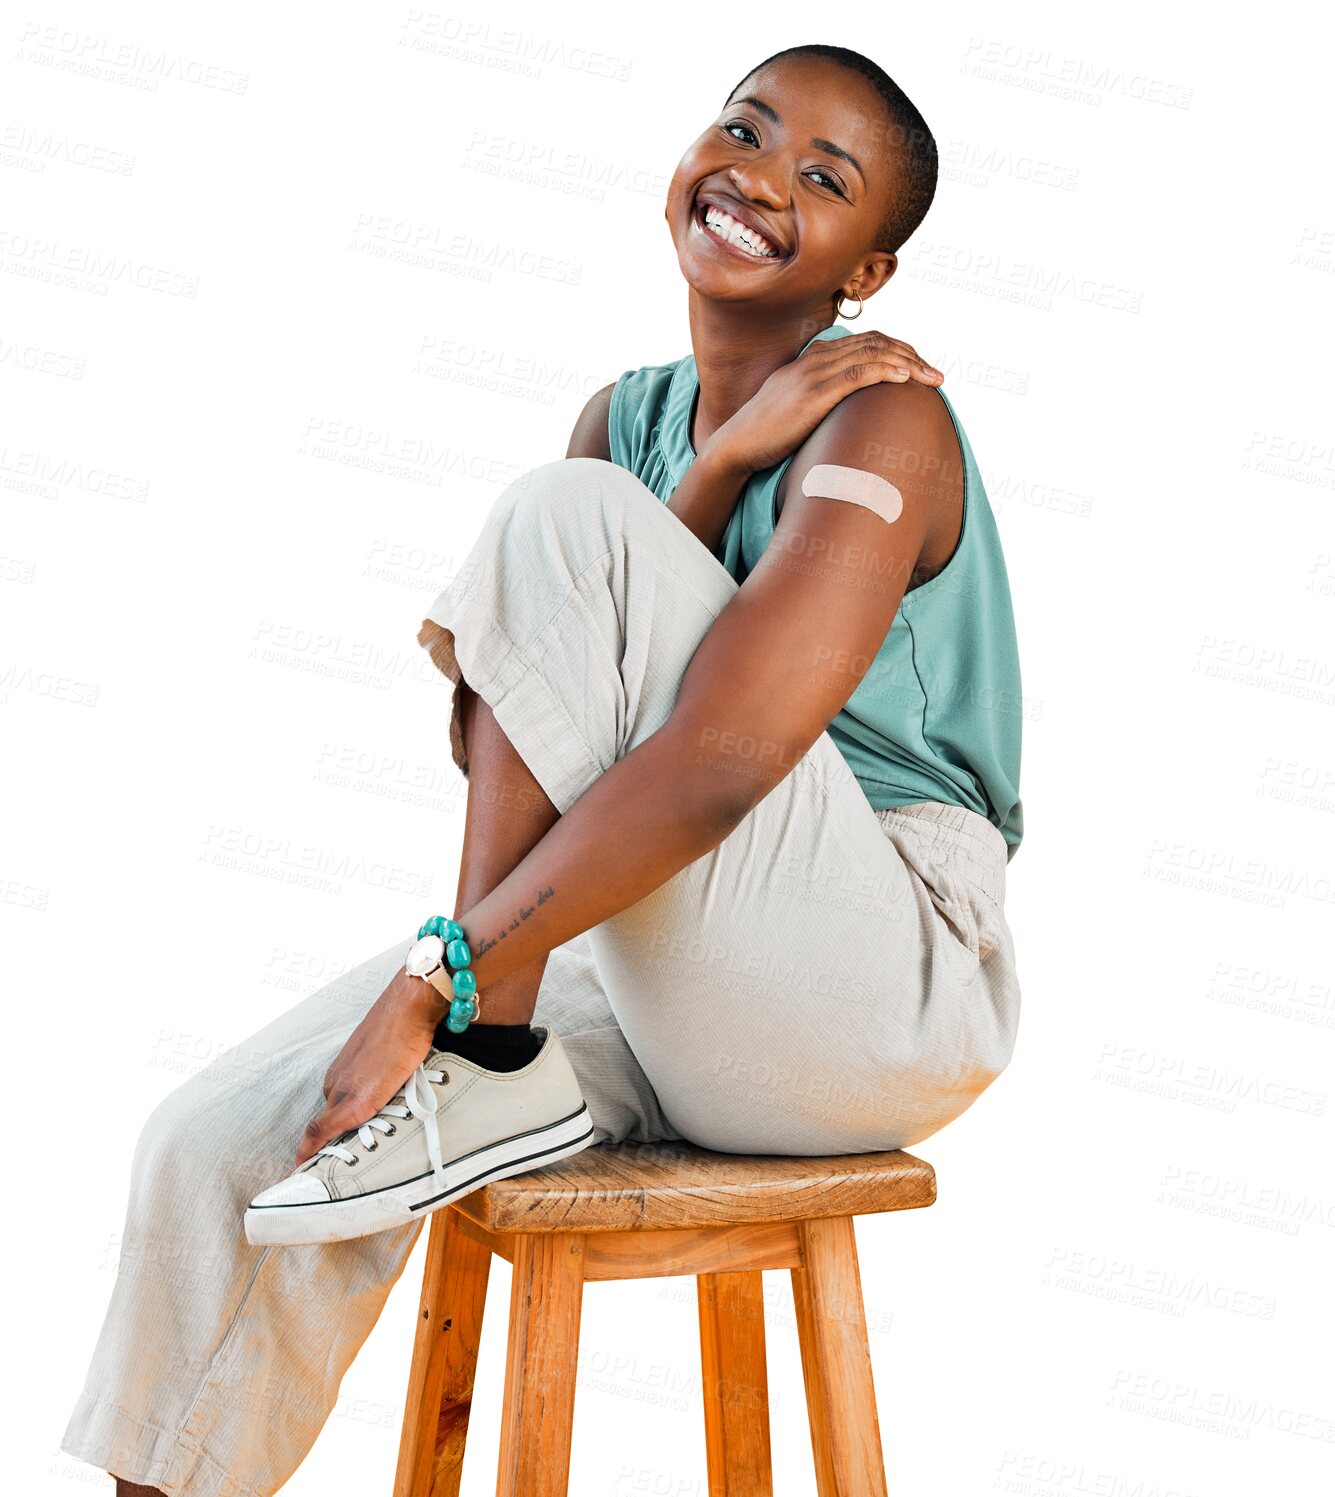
{"x": 631, "y": 1211}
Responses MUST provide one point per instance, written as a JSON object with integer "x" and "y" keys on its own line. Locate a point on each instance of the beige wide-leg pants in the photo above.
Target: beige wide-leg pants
{"x": 828, "y": 979}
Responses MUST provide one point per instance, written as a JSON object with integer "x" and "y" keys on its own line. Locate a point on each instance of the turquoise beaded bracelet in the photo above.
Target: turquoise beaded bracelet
{"x": 464, "y": 1007}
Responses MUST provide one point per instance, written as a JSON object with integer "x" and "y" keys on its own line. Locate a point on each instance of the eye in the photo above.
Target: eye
{"x": 739, "y": 125}
{"x": 833, "y": 181}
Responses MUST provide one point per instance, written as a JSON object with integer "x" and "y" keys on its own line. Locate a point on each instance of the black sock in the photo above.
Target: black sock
{"x": 494, "y": 1047}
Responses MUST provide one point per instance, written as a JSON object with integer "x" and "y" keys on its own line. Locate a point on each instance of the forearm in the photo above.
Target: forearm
{"x": 649, "y": 816}
{"x": 706, "y": 497}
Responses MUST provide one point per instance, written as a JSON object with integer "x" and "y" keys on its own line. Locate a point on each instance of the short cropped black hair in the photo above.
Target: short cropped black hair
{"x": 916, "y": 183}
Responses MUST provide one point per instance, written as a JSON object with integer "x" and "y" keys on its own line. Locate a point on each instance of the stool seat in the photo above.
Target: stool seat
{"x": 614, "y": 1187}
{"x": 625, "y": 1211}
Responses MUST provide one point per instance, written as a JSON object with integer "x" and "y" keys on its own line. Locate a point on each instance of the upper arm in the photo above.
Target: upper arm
{"x": 797, "y": 637}
{"x": 589, "y": 438}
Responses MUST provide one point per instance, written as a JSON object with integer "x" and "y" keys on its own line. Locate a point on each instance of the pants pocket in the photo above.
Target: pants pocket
{"x": 958, "y": 906}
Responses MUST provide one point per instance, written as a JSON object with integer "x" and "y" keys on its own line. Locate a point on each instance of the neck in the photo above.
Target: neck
{"x": 736, "y": 350}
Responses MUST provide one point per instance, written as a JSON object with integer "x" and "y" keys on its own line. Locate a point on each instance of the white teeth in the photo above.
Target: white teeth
{"x": 727, "y": 227}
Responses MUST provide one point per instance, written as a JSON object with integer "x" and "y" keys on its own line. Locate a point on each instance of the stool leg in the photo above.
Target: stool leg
{"x": 732, "y": 1361}
{"x": 836, "y": 1361}
{"x": 440, "y": 1385}
{"x": 546, "y": 1296}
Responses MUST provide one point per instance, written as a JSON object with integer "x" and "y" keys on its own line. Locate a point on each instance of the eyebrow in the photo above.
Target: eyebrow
{"x": 821, "y": 145}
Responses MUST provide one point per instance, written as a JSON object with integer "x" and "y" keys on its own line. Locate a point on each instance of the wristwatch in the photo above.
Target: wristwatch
{"x": 426, "y": 958}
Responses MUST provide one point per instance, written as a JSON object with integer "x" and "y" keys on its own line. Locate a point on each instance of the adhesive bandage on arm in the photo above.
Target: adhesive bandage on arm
{"x": 830, "y": 481}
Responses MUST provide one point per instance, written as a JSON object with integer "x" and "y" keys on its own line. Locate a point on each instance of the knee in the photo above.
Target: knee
{"x": 574, "y": 472}
{"x": 572, "y": 490}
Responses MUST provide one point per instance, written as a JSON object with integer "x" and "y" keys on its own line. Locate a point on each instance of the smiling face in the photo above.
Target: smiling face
{"x": 780, "y": 200}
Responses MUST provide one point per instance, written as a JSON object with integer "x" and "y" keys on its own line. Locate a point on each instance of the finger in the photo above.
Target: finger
{"x": 894, "y": 368}
{"x": 901, "y": 355}
{"x": 918, "y": 366}
{"x": 856, "y": 354}
{"x": 325, "y": 1126}
{"x": 925, "y": 374}
{"x": 859, "y": 373}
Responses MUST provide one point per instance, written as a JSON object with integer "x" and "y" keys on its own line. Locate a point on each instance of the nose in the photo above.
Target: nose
{"x": 759, "y": 178}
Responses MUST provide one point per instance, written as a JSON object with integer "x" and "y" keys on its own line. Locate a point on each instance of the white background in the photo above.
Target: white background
{"x": 210, "y": 682}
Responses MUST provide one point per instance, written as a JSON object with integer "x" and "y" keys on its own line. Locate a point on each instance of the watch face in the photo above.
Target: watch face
{"x": 424, "y": 956}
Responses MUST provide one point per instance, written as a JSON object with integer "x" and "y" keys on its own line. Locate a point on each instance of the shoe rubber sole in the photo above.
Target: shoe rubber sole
{"x": 381, "y": 1210}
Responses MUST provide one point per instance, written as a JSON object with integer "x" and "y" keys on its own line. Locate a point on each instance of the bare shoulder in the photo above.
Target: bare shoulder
{"x": 902, "y": 433}
{"x": 898, "y": 430}
{"x": 589, "y": 437}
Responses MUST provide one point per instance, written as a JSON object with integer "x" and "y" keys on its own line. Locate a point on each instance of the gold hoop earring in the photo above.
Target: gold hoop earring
{"x": 839, "y": 312}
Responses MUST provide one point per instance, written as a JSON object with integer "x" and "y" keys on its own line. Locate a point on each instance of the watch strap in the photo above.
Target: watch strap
{"x": 442, "y": 979}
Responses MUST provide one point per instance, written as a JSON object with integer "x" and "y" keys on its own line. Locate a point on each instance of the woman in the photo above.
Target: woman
{"x": 736, "y": 693}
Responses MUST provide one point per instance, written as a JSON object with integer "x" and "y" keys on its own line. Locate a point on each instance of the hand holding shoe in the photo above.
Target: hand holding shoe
{"x": 379, "y": 1056}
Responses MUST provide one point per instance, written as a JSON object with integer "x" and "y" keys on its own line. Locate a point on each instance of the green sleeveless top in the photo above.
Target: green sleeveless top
{"x": 938, "y": 714}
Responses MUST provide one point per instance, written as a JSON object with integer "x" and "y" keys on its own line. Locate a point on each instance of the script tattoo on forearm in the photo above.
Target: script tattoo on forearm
{"x": 524, "y": 912}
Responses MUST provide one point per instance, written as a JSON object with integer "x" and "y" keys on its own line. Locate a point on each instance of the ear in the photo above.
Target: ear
{"x": 875, "y": 272}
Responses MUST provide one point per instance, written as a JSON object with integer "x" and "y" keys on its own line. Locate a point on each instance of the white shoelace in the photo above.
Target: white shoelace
{"x": 419, "y": 1101}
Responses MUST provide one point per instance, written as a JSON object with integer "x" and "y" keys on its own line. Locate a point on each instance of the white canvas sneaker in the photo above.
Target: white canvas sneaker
{"x": 451, "y": 1128}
